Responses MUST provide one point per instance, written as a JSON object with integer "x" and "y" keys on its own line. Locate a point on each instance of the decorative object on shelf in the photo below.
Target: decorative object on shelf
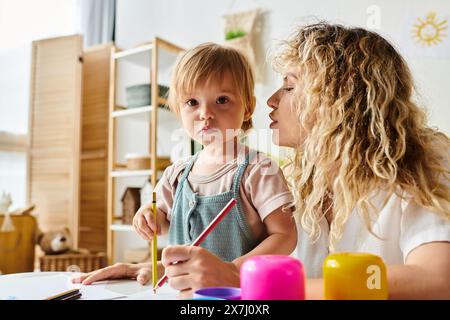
{"x": 141, "y": 95}
{"x": 162, "y": 163}
{"x": 240, "y": 33}
{"x": 75, "y": 261}
{"x": 137, "y": 161}
{"x": 55, "y": 242}
{"x": 146, "y": 192}
{"x": 131, "y": 201}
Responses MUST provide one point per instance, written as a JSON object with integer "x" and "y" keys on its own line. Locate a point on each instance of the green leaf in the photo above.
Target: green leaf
{"x": 234, "y": 34}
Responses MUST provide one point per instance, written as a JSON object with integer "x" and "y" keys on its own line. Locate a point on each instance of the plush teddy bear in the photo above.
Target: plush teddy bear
{"x": 55, "y": 242}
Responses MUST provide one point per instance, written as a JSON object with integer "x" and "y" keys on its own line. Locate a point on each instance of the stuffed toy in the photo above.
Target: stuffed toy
{"x": 55, "y": 242}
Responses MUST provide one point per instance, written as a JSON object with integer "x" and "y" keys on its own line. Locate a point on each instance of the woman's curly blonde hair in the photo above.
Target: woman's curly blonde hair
{"x": 365, "y": 134}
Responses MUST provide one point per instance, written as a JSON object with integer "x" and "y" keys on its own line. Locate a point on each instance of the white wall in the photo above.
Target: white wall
{"x": 188, "y": 23}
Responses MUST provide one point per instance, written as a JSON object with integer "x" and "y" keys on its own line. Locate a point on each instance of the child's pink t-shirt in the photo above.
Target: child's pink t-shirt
{"x": 263, "y": 188}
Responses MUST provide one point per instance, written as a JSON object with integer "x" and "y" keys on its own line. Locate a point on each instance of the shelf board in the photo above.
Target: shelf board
{"x": 119, "y": 226}
{"x": 131, "y": 173}
{"x": 133, "y": 51}
{"x": 141, "y": 55}
{"x": 164, "y": 114}
{"x": 120, "y": 166}
{"x": 132, "y": 111}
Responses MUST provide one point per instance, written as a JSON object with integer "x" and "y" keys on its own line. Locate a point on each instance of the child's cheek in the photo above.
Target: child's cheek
{"x": 187, "y": 122}
{"x": 191, "y": 125}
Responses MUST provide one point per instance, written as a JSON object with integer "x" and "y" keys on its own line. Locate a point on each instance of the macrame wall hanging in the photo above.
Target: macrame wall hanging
{"x": 241, "y": 32}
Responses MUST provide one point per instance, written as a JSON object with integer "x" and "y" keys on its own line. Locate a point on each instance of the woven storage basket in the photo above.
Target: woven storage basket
{"x": 143, "y": 162}
{"x": 137, "y": 161}
{"x": 79, "y": 262}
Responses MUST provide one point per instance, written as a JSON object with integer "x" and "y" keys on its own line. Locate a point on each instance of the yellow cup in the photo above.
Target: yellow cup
{"x": 354, "y": 276}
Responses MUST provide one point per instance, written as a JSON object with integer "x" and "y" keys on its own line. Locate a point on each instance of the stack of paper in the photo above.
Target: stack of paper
{"x": 41, "y": 286}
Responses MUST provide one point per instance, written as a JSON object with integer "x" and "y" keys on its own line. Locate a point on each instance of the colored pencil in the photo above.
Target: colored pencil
{"x": 205, "y": 233}
{"x": 65, "y": 295}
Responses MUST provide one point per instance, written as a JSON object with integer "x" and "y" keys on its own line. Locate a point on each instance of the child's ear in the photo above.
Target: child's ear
{"x": 248, "y": 113}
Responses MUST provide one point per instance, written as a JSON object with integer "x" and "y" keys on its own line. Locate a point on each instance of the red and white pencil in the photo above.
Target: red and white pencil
{"x": 205, "y": 233}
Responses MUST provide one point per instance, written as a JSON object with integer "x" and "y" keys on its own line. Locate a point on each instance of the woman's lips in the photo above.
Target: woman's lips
{"x": 273, "y": 121}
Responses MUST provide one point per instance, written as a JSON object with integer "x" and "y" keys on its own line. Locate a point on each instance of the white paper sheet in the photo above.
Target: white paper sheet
{"x": 163, "y": 293}
{"x": 40, "y": 286}
{"x": 34, "y": 288}
{"x": 98, "y": 291}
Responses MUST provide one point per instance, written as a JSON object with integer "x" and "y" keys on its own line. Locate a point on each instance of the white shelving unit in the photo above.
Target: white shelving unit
{"x": 134, "y": 51}
{"x": 131, "y": 173}
{"x": 156, "y": 58}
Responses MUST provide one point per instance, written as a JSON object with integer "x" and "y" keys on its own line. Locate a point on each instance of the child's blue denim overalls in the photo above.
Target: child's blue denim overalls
{"x": 192, "y": 213}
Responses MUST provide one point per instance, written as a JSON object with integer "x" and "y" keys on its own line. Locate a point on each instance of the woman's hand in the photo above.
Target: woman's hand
{"x": 140, "y": 272}
{"x": 197, "y": 268}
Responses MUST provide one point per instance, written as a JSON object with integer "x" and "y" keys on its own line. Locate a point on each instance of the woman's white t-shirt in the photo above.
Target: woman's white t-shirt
{"x": 401, "y": 224}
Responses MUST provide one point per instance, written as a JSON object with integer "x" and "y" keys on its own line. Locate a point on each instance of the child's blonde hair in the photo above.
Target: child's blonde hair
{"x": 367, "y": 135}
{"x": 209, "y": 62}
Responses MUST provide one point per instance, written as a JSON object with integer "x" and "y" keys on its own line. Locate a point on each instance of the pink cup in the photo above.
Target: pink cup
{"x": 272, "y": 277}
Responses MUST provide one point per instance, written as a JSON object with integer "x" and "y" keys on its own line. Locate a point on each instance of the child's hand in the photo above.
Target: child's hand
{"x": 144, "y": 222}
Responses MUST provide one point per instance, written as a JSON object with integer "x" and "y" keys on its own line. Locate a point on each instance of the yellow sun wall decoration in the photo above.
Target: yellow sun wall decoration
{"x": 431, "y": 31}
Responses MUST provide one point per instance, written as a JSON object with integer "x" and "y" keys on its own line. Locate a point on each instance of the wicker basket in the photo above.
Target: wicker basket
{"x": 74, "y": 261}
{"x": 138, "y": 162}
{"x": 143, "y": 162}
